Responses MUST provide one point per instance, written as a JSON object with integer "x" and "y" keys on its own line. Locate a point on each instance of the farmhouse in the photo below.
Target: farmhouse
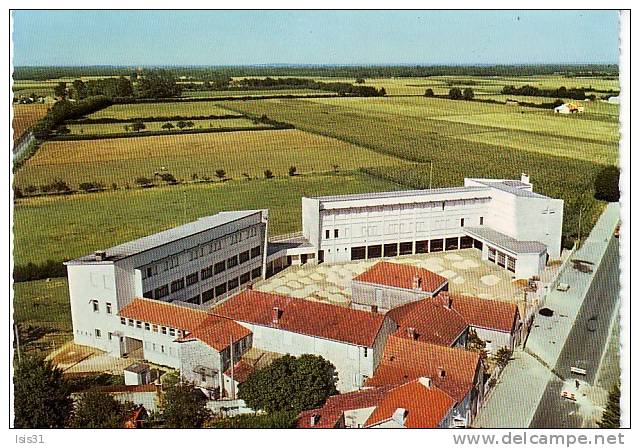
{"x": 568, "y": 108}
{"x": 387, "y": 285}
{"x": 351, "y": 340}
{"x": 515, "y": 228}
{"x": 195, "y": 264}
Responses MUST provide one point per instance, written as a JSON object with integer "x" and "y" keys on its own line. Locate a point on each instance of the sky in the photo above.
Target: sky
{"x": 140, "y": 38}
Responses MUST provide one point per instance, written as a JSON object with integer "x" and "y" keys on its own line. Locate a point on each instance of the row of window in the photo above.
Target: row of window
{"x": 157, "y": 348}
{"x": 200, "y": 251}
{"x": 502, "y": 259}
{"x": 224, "y": 287}
{"x": 407, "y": 247}
{"x": 205, "y": 273}
{"x": 96, "y": 307}
{"x": 152, "y": 327}
{"x": 393, "y": 228}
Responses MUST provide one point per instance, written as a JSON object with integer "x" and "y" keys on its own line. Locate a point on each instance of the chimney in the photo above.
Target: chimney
{"x": 441, "y": 372}
{"x": 411, "y": 332}
{"x": 313, "y": 420}
{"x": 524, "y": 178}
{"x": 100, "y": 255}
{"x": 425, "y": 381}
{"x": 275, "y": 315}
{"x": 447, "y": 301}
{"x": 399, "y": 416}
{"x": 417, "y": 282}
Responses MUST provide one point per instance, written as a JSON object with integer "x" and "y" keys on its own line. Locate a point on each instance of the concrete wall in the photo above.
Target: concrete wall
{"x": 195, "y": 354}
{"x": 540, "y": 219}
{"x": 365, "y": 296}
{"x": 495, "y": 339}
{"x": 310, "y": 220}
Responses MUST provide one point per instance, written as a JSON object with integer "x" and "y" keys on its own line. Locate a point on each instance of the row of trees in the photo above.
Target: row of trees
{"x": 561, "y": 92}
{"x": 341, "y": 88}
{"x": 454, "y": 94}
{"x": 67, "y": 110}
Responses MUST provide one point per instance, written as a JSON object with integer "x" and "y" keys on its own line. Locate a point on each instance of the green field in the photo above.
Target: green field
{"x": 119, "y": 128}
{"x": 122, "y": 160}
{"x": 171, "y": 109}
{"x": 66, "y": 227}
{"x": 265, "y": 92}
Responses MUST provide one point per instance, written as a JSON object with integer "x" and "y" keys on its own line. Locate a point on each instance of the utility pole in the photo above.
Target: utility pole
{"x": 233, "y": 383}
{"x": 430, "y": 173}
{"x": 184, "y": 206}
{"x": 579, "y": 227}
{"x": 16, "y": 334}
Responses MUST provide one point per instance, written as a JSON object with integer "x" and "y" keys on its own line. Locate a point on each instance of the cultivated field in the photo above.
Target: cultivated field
{"x": 25, "y": 115}
{"x": 171, "y": 109}
{"x": 222, "y": 93}
{"x": 122, "y": 160}
{"x": 119, "y": 128}
{"x": 65, "y": 227}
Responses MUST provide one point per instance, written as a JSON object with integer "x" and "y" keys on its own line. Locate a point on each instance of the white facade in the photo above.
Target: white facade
{"x": 201, "y": 263}
{"x": 366, "y": 226}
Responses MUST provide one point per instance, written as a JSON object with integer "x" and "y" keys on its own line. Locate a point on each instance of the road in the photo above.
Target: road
{"x": 585, "y": 345}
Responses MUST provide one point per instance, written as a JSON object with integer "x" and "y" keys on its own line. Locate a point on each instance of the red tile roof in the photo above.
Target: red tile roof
{"x": 432, "y": 321}
{"x": 426, "y": 406}
{"x": 451, "y": 369}
{"x": 401, "y": 276}
{"x": 163, "y": 313}
{"x": 217, "y": 332}
{"x": 303, "y": 316}
{"x": 331, "y": 413}
{"x": 241, "y": 371}
{"x": 483, "y": 313}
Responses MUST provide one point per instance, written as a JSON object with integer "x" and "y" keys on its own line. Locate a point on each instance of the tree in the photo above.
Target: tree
{"x": 607, "y": 184}
{"x": 168, "y": 178}
{"x": 503, "y": 356}
{"x": 221, "y": 174}
{"x": 182, "y": 124}
{"x": 254, "y": 421}
{"x": 290, "y": 384}
{"x": 63, "y": 130}
{"x": 292, "y": 170}
{"x": 41, "y": 395}
{"x": 360, "y": 81}
{"x": 168, "y": 126}
{"x": 138, "y": 126}
{"x": 184, "y": 407}
{"x": 455, "y": 94}
{"x": 143, "y": 181}
{"x": 611, "y": 415}
{"x": 468, "y": 94}
{"x": 158, "y": 84}
{"x": 335, "y": 167}
{"x": 124, "y": 87}
{"x": 429, "y": 93}
{"x": 60, "y": 90}
{"x": 268, "y": 174}
{"x": 79, "y": 89}
{"x": 96, "y": 409}
{"x": 382, "y": 91}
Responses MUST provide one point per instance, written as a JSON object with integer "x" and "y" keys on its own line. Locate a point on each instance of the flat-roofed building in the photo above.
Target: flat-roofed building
{"x": 196, "y": 265}
{"x": 512, "y": 226}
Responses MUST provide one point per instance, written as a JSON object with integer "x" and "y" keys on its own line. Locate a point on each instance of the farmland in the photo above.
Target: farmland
{"x": 123, "y": 160}
{"x": 223, "y": 93}
{"x": 174, "y": 109}
{"x": 26, "y": 115}
{"x": 60, "y": 227}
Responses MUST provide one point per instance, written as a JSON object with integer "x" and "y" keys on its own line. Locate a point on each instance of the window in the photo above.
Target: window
{"x": 232, "y": 262}
{"x": 257, "y": 272}
{"x": 138, "y": 324}
{"x": 164, "y": 330}
{"x": 391, "y": 250}
{"x": 149, "y": 271}
{"x": 98, "y": 333}
{"x": 162, "y": 348}
{"x": 244, "y": 257}
{"x": 358, "y": 253}
{"x": 466, "y": 242}
{"x": 94, "y": 304}
{"x": 206, "y": 272}
{"x": 154, "y": 328}
{"x": 147, "y": 326}
{"x": 336, "y": 233}
{"x": 123, "y": 321}
{"x": 233, "y": 283}
{"x": 192, "y": 279}
{"x": 110, "y": 336}
{"x": 406, "y": 248}
{"x": 461, "y": 222}
{"x": 443, "y": 205}
{"x": 161, "y": 292}
{"x": 451, "y": 243}
{"x": 253, "y": 231}
{"x": 177, "y": 285}
{"x": 492, "y": 254}
{"x": 245, "y": 278}
{"x": 374, "y": 251}
{"x": 221, "y": 289}
{"x": 218, "y": 267}
{"x": 172, "y": 332}
{"x": 501, "y": 259}
{"x": 256, "y": 251}
{"x": 422, "y": 247}
{"x": 148, "y": 294}
{"x": 207, "y": 295}
{"x": 482, "y": 220}
{"x": 511, "y": 264}
{"x": 327, "y": 234}
{"x": 437, "y": 245}
{"x": 108, "y": 308}
{"x": 366, "y": 352}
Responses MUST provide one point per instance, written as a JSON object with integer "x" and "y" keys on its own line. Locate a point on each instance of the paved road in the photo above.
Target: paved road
{"x": 585, "y": 344}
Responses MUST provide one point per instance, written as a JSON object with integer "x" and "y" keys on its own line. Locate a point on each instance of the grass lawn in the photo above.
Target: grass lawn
{"x": 43, "y": 306}
{"x": 66, "y": 227}
{"x": 25, "y": 115}
{"x": 169, "y": 109}
{"x": 117, "y": 128}
{"x": 122, "y": 160}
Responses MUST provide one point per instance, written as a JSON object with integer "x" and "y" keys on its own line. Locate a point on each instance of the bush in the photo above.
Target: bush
{"x": 91, "y": 186}
{"x": 221, "y": 174}
{"x": 429, "y": 93}
{"x": 144, "y": 181}
{"x": 455, "y": 94}
{"x": 33, "y": 271}
{"x": 57, "y": 186}
{"x": 607, "y": 184}
{"x": 255, "y": 421}
{"x": 292, "y": 170}
{"x": 168, "y": 178}
{"x": 268, "y": 174}
{"x": 468, "y": 94}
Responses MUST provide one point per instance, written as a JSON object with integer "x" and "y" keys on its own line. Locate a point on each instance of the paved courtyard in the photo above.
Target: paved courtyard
{"x": 466, "y": 272}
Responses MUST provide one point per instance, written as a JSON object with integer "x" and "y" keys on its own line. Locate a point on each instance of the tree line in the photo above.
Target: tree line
{"x": 561, "y": 92}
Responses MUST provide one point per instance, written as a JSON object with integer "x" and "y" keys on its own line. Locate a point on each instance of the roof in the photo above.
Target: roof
{"x": 506, "y": 242}
{"x": 303, "y": 316}
{"x": 242, "y": 370}
{"x": 514, "y": 187}
{"x": 330, "y": 414}
{"x": 432, "y": 321}
{"x": 398, "y": 194}
{"x": 484, "y": 313}
{"x": 167, "y": 236}
{"x": 405, "y": 360}
{"x": 425, "y": 405}
{"x": 123, "y": 388}
{"x": 164, "y": 313}
{"x": 138, "y": 367}
{"x": 401, "y": 276}
{"x": 217, "y": 333}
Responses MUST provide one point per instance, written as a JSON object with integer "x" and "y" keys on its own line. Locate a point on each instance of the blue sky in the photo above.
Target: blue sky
{"x": 309, "y": 37}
